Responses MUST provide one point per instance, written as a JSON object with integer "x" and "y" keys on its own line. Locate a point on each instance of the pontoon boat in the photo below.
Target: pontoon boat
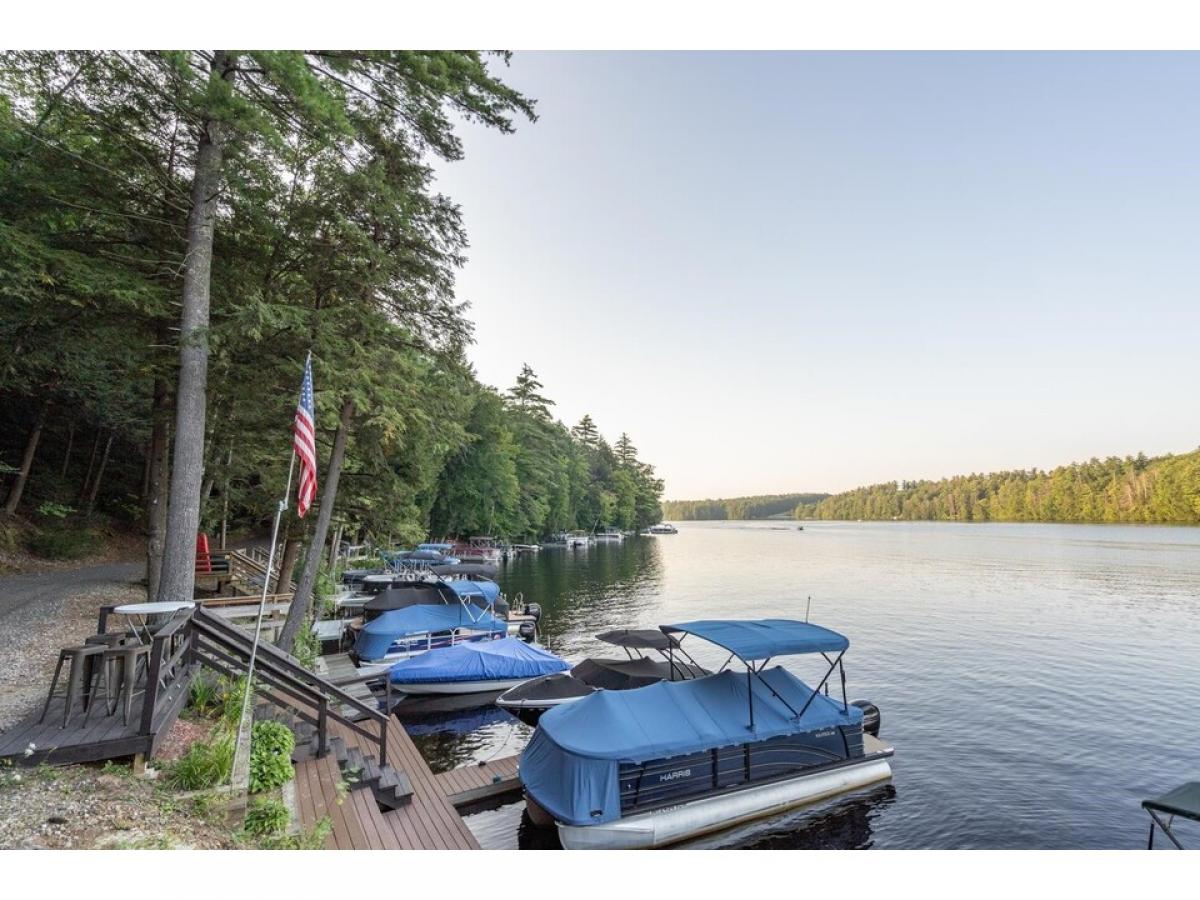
{"x": 668, "y": 762}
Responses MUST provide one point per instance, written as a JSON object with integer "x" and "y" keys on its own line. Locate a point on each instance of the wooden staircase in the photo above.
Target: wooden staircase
{"x": 391, "y": 789}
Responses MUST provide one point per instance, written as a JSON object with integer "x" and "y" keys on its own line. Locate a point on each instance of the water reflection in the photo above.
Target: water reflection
{"x": 1027, "y": 674}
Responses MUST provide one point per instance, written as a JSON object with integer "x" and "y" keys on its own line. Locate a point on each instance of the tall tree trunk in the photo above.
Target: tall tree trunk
{"x": 31, "y": 443}
{"x": 91, "y": 500}
{"x": 298, "y": 611}
{"x": 225, "y": 498}
{"x": 178, "y": 581}
{"x": 287, "y": 565}
{"x": 156, "y": 498}
{"x": 334, "y": 545}
{"x": 70, "y": 444}
{"x": 87, "y": 476}
{"x": 146, "y": 466}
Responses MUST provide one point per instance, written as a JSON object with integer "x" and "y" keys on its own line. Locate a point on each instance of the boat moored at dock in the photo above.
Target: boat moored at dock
{"x": 661, "y": 764}
{"x": 469, "y": 668}
{"x": 529, "y": 700}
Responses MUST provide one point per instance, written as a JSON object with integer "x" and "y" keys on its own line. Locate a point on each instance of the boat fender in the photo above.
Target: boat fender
{"x": 870, "y": 716}
{"x": 533, "y": 609}
{"x": 527, "y": 631}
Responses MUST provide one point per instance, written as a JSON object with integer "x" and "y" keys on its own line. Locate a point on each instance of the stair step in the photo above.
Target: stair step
{"x": 371, "y": 771}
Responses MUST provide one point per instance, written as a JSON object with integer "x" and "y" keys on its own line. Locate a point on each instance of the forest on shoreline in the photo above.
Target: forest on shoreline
{"x": 757, "y": 507}
{"x": 1131, "y": 489}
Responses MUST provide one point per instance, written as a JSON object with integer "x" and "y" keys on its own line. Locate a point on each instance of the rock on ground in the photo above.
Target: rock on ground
{"x": 94, "y": 807}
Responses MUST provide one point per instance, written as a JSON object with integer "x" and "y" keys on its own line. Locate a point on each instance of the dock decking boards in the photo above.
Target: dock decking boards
{"x": 429, "y": 822}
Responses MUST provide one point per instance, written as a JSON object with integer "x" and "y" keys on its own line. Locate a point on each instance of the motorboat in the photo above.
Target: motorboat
{"x": 400, "y": 634}
{"x": 664, "y": 763}
{"x": 471, "y": 668}
{"x": 480, "y": 549}
{"x": 608, "y": 533}
{"x": 529, "y": 700}
{"x": 410, "y": 617}
{"x": 663, "y": 528}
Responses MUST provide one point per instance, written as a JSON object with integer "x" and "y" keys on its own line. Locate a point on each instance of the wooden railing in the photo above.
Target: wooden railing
{"x": 171, "y": 656}
{"x": 226, "y": 649}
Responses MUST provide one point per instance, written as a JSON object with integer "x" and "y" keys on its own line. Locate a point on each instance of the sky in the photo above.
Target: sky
{"x": 790, "y": 272}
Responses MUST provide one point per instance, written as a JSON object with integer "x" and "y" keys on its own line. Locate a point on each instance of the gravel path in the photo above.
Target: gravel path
{"x": 41, "y": 612}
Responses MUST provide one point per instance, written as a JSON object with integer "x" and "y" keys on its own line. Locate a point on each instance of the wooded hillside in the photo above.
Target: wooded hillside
{"x": 1164, "y": 489}
{"x": 760, "y": 507}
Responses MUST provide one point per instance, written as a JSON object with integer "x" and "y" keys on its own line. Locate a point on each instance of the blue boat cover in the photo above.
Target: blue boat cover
{"x": 501, "y": 660}
{"x": 571, "y": 766}
{"x": 473, "y": 590}
{"x": 754, "y": 639}
{"x": 379, "y": 634}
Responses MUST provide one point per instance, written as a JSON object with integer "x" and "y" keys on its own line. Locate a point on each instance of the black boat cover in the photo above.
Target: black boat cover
{"x": 548, "y": 688}
{"x": 626, "y": 674}
{"x": 639, "y": 638}
{"x": 402, "y": 595}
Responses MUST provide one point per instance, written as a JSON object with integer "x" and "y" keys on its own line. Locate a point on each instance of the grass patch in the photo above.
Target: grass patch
{"x": 206, "y": 763}
{"x": 60, "y": 541}
{"x": 203, "y": 696}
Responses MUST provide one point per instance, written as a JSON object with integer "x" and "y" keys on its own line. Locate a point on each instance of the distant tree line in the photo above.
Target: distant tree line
{"x": 758, "y": 507}
{"x": 1134, "y": 489}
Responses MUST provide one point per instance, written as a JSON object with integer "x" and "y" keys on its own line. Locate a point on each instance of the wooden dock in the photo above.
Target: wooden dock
{"x": 429, "y": 822}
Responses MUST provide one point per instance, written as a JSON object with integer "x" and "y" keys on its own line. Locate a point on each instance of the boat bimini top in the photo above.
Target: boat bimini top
{"x": 757, "y": 641}
{"x": 573, "y": 765}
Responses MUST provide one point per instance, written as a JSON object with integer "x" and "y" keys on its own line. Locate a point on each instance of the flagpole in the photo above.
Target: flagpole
{"x": 262, "y": 601}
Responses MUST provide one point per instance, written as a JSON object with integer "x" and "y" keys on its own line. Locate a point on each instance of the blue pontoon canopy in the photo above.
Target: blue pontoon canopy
{"x": 504, "y": 659}
{"x": 473, "y": 590}
{"x": 379, "y": 634}
{"x": 756, "y": 639}
{"x": 571, "y": 766}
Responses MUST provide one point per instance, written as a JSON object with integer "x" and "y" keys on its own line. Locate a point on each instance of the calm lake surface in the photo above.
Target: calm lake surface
{"x": 1037, "y": 681}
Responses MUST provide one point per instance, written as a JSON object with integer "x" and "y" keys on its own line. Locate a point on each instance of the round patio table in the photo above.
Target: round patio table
{"x": 145, "y": 611}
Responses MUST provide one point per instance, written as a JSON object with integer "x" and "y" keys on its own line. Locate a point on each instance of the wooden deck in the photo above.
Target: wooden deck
{"x": 429, "y": 822}
{"x": 102, "y": 737}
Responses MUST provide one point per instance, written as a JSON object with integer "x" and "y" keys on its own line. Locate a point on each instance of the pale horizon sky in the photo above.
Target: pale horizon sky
{"x": 811, "y": 271}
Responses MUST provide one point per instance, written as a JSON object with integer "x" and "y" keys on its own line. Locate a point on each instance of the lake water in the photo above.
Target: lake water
{"x": 1037, "y": 681}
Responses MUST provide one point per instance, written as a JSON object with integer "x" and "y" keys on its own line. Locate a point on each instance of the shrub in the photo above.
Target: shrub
{"x": 267, "y": 816}
{"x": 307, "y": 647}
{"x": 271, "y": 746}
{"x": 231, "y": 696}
{"x": 205, "y": 765}
{"x": 312, "y": 839}
{"x": 61, "y": 542}
{"x": 203, "y": 695}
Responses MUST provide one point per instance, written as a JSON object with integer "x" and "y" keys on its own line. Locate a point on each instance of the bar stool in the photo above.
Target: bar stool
{"x": 129, "y": 658}
{"x": 78, "y": 658}
{"x": 101, "y": 684}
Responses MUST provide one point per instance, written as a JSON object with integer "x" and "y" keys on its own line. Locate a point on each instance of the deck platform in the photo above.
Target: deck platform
{"x": 429, "y": 822}
{"x": 101, "y": 737}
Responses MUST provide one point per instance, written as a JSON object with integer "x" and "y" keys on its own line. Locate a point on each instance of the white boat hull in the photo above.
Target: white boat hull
{"x": 660, "y": 827}
{"x": 458, "y": 687}
{"x": 537, "y": 704}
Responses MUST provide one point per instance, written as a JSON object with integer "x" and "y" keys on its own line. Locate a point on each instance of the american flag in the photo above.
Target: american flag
{"x": 305, "y": 443}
